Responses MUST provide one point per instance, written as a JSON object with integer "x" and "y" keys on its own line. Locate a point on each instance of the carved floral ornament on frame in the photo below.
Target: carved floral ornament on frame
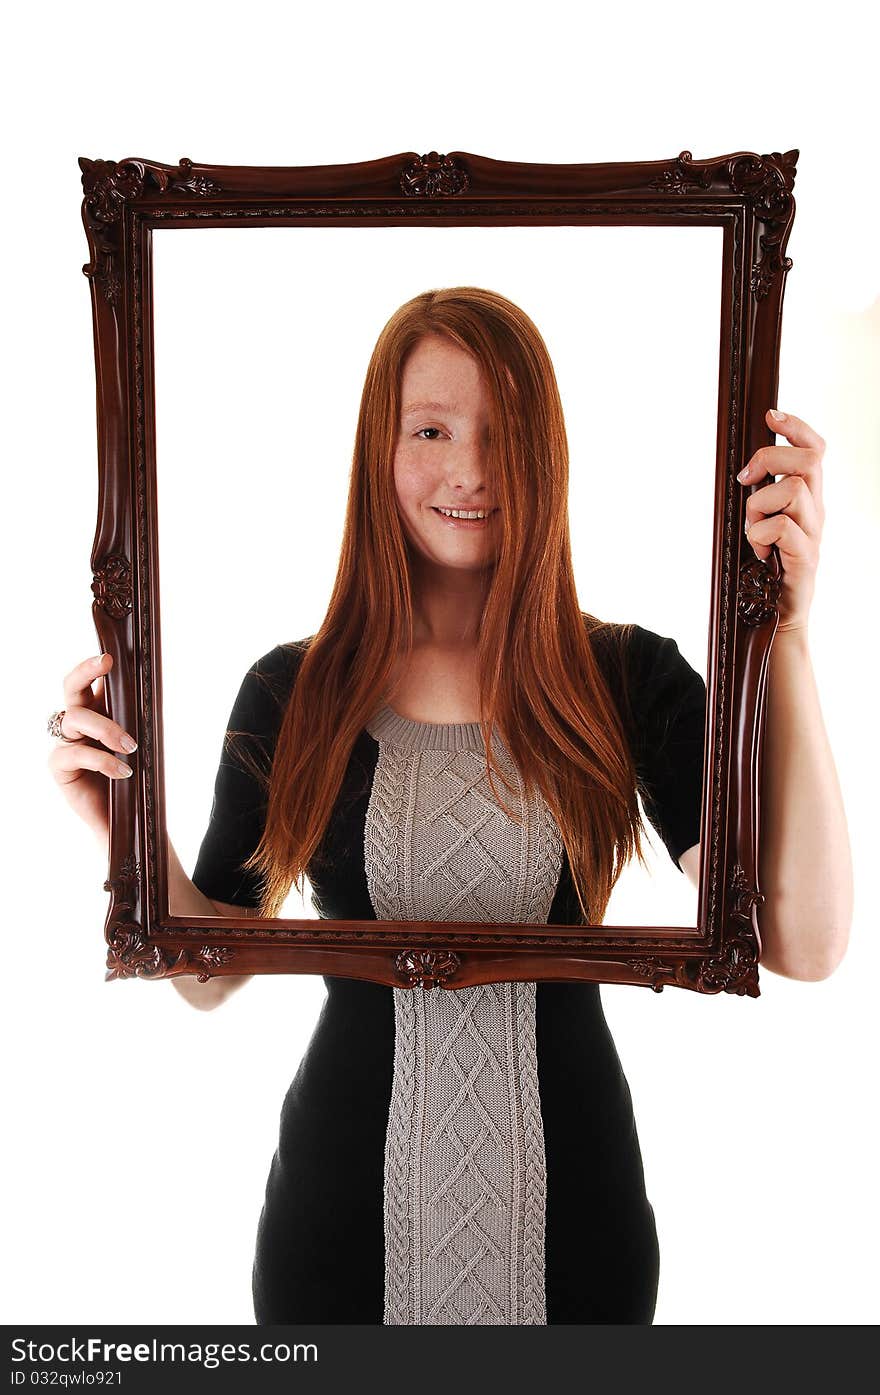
{"x": 749, "y": 198}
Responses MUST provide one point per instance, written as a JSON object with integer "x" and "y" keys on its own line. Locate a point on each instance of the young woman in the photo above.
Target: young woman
{"x": 460, "y": 741}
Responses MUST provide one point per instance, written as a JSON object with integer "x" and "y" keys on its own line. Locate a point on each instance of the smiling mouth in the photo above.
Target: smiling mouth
{"x": 464, "y": 522}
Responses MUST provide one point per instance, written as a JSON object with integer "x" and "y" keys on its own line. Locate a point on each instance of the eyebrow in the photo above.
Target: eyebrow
{"x": 414, "y": 407}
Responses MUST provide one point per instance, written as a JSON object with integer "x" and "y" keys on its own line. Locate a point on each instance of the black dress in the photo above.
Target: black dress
{"x": 322, "y": 1252}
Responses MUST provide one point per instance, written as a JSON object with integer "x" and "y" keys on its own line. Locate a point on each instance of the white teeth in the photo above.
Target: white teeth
{"x": 463, "y": 513}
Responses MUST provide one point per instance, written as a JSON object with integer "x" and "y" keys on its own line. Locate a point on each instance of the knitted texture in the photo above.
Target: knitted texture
{"x": 465, "y": 1166}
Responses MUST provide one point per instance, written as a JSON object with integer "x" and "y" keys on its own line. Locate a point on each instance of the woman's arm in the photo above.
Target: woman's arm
{"x": 804, "y": 861}
{"x": 184, "y": 898}
{"x": 805, "y": 868}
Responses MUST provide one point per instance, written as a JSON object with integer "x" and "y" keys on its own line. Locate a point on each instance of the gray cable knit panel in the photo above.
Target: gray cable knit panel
{"x": 465, "y": 1168}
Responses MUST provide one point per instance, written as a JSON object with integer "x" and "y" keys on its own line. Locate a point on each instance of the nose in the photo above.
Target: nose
{"x": 467, "y": 468}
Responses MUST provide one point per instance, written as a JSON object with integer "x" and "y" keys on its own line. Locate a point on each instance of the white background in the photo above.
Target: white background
{"x": 259, "y": 375}
{"x": 141, "y": 1131}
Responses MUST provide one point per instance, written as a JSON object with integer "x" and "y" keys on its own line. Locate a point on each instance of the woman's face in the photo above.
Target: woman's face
{"x": 440, "y": 459}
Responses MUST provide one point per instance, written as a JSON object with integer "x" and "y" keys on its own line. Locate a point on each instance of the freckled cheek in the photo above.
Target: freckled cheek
{"x": 414, "y": 484}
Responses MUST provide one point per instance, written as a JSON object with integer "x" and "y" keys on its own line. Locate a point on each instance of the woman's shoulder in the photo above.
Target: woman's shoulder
{"x": 280, "y": 665}
{"x": 290, "y": 653}
{"x": 629, "y": 645}
{"x": 267, "y": 685}
{"x": 644, "y": 670}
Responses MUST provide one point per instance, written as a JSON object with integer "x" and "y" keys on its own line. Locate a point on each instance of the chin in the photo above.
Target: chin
{"x": 460, "y": 553}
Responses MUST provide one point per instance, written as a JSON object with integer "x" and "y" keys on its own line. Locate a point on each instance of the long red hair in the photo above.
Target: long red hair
{"x": 540, "y": 682}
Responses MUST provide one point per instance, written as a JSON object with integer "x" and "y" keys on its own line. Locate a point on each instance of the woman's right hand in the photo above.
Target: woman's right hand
{"x": 81, "y": 769}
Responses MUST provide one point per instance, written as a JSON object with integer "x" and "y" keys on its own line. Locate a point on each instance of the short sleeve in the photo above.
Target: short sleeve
{"x": 238, "y": 811}
{"x": 664, "y": 709}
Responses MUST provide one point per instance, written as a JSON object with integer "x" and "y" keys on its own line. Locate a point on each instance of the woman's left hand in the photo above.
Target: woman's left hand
{"x": 789, "y": 512}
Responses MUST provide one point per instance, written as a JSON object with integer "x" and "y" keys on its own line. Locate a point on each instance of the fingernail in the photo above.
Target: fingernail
{"x": 744, "y": 473}
{"x": 98, "y": 662}
{"x": 123, "y": 768}
{"x": 127, "y": 744}
{"x": 777, "y": 416}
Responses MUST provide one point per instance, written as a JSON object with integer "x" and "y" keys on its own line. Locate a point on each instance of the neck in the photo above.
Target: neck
{"x": 448, "y": 605}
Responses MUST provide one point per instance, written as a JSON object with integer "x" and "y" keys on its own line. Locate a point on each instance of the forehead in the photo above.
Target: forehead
{"x": 440, "y": 376}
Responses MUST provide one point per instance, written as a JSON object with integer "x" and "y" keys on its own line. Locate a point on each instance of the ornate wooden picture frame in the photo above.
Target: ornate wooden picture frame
{"x": 750, "y": 197}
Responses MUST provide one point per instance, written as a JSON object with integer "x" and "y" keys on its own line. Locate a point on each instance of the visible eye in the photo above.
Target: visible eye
{"x": 429, "y": 428}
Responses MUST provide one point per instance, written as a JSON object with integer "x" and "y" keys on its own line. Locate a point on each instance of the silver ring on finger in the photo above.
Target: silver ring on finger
{"x": 54, "y": 728}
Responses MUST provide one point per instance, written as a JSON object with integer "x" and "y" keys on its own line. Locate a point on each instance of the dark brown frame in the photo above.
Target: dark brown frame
{"x": 750, "y": 197}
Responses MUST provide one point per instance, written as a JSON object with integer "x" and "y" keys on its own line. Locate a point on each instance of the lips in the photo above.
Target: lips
{"x": 464, "y": 522}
